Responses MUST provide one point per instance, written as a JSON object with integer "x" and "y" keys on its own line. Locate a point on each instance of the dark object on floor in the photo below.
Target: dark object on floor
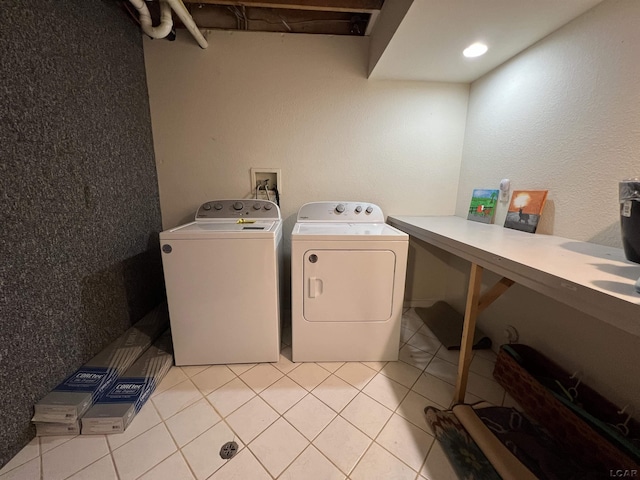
{"x": 463, "y": 453}
{"x": 228, "y": 450}
{"x": 446, "y": 324}
{"x": 577, "y": 416}
{"x": 500, "y": 442}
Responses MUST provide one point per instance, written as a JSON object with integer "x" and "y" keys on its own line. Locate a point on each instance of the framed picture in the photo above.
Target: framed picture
{"x": 525, "y": 209}
{"x": 483, "y": 205}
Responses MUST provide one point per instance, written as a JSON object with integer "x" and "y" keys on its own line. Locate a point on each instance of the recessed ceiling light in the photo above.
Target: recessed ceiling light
{"x": 475, "y": 50}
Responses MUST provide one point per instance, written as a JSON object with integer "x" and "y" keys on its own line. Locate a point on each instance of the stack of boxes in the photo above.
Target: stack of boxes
{"x": 60, "y": 411}
{"x": 114, "y": 410}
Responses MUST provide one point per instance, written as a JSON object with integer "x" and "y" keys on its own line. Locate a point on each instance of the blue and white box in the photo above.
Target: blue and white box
{"x": 116, "y": 408}
{"x": 72, "y": 398}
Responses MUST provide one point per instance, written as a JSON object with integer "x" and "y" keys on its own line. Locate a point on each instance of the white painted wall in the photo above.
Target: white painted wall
{"x": 300, "y": 103}
{"x": 563, "y": 115}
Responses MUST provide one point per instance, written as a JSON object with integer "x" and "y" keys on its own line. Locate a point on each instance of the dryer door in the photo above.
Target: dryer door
{"x": 348, "y": 285}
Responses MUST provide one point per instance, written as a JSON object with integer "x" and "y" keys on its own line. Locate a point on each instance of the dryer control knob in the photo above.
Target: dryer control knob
{"x": 369, "y": 209}
{"x": 217, "y": 206}
{"x": 238, "y": 206}
{"x": 207, "y": 206}
{"x": 268, "y": 206}
{"x": 340, "y": 208}
{"x": 358, "y": 209}
{"x": 257, "y": 206}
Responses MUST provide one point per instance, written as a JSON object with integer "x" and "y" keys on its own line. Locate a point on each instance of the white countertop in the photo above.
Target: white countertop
{"x": 595, "y": 279}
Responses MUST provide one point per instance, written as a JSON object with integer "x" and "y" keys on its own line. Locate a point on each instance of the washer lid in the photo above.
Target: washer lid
{"x": 346, "y": 231}
{"x": 230, "y": 229}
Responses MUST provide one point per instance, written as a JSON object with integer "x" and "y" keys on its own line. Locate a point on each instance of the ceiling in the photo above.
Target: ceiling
{"x": 428, "y": 43}
{"x": 422, "y": 39}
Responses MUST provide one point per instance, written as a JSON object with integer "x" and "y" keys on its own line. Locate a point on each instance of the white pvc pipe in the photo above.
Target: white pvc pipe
{"x": 186, "y": 18}
{"x": 166, "y": 22}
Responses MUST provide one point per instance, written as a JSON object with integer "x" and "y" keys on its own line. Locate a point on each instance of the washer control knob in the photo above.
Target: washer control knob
{"x": 369, "y": 209}
{"x": 217, "y": 206}
{"x": 268, "y": 206}
{"x": 207, "y": 206}
{"x": 257, "y": 206}
{"x": 340, "y": 208}
{"x": 358, "y": 209}
{"x": 238, "y": 206}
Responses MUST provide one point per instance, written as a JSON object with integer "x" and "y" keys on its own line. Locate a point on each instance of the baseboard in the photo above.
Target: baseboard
{"x": 419, "y": 303}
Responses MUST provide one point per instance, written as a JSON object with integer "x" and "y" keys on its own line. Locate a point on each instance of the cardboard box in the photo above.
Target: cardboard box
{"x": 72, "y": 398}
{"x": 116, "y": 408}
{"x": 44, "y": 429}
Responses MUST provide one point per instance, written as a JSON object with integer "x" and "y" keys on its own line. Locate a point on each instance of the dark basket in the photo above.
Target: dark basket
{"x": 586, "y": 428}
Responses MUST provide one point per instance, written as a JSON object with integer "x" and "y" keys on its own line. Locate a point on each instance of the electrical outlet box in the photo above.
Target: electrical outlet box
{"x": 271, "y": 175}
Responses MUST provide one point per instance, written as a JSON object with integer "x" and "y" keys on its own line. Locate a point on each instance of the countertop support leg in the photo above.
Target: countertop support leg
{"x": 466, "y": 344}
{"x": 494, "y": 292}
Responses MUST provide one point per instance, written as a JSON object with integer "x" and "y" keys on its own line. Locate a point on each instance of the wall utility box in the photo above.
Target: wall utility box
{"x": 273, "y": 176}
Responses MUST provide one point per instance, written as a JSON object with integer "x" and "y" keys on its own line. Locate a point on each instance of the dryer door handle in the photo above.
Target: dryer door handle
{"x": 315, "y": 287}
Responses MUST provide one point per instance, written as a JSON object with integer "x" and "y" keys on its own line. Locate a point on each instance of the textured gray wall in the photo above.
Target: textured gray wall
{"x": 79, "y": 209}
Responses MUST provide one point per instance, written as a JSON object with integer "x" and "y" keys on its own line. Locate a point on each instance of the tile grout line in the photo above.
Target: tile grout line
{"x": 304, "y": 436}
{"x": 361, "y": 456}
{"x": 81, "y": 469}
{"x": 206, "y": 397}
{"x": 113, "y": 460}
{"x": 223, "y": 419}
{"x": 383, "y": 447}
{"x": 246, "y": 444}
{"x": 4, "y": 474}
{"x": 395, "y": 412}
{"x": 137, "y": 436}
{"x": 41, "y": 461}
{"x": 248, "y": 447}
{"x": 337, "y": 414}
{"x": 426, "y": 459}
{"x": 179, "y": 450}
{"x": 310, "y": 443}
{"x": 86, "y": 466}
{"x": 163, "y": 422}
{"x": 318, "y": 434}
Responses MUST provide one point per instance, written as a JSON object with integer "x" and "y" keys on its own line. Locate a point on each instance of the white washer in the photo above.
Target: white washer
{"x": 222, "y": 278}
{"x": 347, "y": 283}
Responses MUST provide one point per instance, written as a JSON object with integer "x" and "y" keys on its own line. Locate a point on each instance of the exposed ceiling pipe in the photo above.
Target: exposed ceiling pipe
{"x": 166, "y": 22}
{"x": 187, "y": 20}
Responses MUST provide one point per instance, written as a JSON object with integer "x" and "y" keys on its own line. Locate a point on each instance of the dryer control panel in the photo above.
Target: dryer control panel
{"x": 236, "y": 209}
{"x": 351, "y": 212}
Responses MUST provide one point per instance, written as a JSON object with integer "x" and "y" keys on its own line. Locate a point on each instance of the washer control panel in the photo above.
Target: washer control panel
{"x": 352, "y": 212}
{"x": 245, "y": 208}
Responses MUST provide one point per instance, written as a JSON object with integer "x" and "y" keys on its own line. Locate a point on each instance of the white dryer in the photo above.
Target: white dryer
{"x": 223, "y": 284}
{"x": 347, "y": 283}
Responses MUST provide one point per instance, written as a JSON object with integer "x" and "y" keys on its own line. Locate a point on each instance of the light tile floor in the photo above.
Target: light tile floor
{"x": 307, "y": 421}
